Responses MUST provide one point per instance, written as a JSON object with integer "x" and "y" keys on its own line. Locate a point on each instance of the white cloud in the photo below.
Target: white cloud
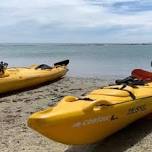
{"x": 70, "y": 15}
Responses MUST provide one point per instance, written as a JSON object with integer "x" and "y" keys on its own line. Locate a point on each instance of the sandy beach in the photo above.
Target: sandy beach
{"x": 15, "y": 136}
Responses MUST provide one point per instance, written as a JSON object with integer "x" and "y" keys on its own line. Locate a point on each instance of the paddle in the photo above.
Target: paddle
{"x": 62, "y": 63}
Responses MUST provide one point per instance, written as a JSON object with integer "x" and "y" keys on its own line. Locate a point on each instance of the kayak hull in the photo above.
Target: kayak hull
{"x": 74, "y": 121}
{"x": 21, "y": 78}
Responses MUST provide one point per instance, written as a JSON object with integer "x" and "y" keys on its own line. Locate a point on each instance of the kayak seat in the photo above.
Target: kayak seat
{"x": 43, "y": 67}
{"x": 142, "y": 74}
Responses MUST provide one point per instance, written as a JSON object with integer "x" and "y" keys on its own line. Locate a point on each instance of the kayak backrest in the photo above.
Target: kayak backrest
{"x": 43, "y": 67}
{"x": 142, "y": 74}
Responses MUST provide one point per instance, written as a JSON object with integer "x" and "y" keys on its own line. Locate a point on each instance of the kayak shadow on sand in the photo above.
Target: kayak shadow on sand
{"x": 120, "y": 141}
{"x": 29, "y": 88}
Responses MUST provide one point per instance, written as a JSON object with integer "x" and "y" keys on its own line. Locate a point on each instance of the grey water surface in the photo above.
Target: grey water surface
{"x": 86, "y": 60}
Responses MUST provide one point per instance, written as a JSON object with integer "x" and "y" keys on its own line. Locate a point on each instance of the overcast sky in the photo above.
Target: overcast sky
{"x": 90, "y": 21}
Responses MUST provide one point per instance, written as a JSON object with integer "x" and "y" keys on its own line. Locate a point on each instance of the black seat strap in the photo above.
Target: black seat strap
{"x": 130, "y": 93}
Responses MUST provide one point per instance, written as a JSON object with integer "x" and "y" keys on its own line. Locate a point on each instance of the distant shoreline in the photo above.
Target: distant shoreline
{"x": 51, "y": 43}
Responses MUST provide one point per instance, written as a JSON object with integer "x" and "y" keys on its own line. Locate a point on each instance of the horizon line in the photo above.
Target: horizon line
{"x": 74, "y": 43}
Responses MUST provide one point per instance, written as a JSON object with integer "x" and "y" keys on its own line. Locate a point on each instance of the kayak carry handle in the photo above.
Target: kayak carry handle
{"x": 97, "y": 103}
{"x": 69, "y": 99}
{"x": 62, "y": 63}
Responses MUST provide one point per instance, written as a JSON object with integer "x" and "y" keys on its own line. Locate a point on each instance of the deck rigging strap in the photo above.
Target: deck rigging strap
{"x": 130, "y": 93}
{"x": 131, "y": 81}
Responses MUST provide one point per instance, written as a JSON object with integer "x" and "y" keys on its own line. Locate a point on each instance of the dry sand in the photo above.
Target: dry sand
{"x": 15, "y": 136}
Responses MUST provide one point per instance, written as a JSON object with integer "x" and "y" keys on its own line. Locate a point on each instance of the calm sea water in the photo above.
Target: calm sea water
{"x": 86, "y": 60}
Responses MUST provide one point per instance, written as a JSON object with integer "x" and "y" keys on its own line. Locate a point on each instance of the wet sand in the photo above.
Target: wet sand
{"x": 15, "y": 136}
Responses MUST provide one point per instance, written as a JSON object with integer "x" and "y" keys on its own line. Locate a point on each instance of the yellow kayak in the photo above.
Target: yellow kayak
{"x": 99, "y": 114}
{"x": 22, "y": 77}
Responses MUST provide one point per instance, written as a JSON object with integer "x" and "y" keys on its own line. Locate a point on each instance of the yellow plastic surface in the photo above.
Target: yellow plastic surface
{"x": 84, "y": 121}
{"x": 20, "y": 78}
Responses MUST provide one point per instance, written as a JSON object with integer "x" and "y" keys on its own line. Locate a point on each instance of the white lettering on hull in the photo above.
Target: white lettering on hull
{"x": 92, "y": 121}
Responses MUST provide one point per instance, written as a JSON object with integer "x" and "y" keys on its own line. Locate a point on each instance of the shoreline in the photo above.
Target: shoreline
{"x": 16, "y": 108}
{"x": 77, "y": 43}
